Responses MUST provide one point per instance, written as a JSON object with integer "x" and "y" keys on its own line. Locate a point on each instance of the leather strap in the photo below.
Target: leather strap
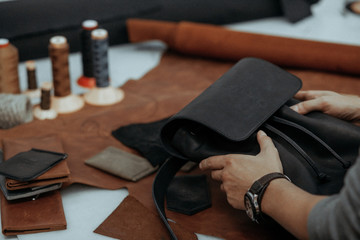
{"x": 161, "y": 182}
{"x": 261, "y": 184}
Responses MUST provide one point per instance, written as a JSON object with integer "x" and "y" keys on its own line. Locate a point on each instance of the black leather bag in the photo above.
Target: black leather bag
{"x": 315, "y": 149}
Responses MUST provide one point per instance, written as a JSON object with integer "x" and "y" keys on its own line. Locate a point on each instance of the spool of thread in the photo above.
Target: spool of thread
{"x": 44, "y": 111}
{"x": 59, "y": 54}
{"x": 87, "y": 80}
{"x": 102, "y": 94}
{"x": 99, "y": 47}
{"x": 31, "y": 75}
{"x": 32, "y": 91}
{"x": 63, "y": 101}
{"x": 45, "y": 96}
{"x": 9, "y": 61}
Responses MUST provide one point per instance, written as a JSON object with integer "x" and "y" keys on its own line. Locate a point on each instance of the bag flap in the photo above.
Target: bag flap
{"x": 239, "y": 102}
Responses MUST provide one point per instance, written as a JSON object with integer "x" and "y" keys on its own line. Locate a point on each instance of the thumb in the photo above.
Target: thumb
{"x": 265, "y": 142}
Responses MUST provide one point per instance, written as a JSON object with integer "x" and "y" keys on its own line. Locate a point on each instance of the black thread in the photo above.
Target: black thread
{"x": 86, "y": 52}
{"x": 100, "y": 61}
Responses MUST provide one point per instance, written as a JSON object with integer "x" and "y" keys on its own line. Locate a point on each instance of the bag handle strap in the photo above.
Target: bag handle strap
{"x": 161, "y": 182}
{"x": 346, "y": 164}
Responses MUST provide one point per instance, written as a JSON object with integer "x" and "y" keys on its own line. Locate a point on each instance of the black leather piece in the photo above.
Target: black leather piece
{"x": 145, "y": 139}
{"x": 26, "y": 166}
{"x": 188, "y": 194}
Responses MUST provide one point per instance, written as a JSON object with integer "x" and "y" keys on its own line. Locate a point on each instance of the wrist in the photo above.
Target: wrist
{"x": 254, "y": 196}
{"x": 276, "y": 188}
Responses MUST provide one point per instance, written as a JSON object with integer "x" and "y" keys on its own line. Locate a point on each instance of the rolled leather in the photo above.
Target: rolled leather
{"x": 218, "y": 42}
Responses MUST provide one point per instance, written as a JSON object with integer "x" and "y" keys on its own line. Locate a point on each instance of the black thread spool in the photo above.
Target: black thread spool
{"x": 31, "y": 75}
{"x": 44, "y": 111}
{"x": 87, "y": 79}
{"x": 45, "y": 96}
{"x": 99, "y": 46}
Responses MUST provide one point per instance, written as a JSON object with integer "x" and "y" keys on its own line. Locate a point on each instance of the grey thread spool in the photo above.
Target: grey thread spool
{"x": 87, "y": 27}
{"x": 99, "y": 46}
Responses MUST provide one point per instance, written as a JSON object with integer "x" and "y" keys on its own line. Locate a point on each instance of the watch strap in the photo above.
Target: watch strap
{"x": 260, "y": 185}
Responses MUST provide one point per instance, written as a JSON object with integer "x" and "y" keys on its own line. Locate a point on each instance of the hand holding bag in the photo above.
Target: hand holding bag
{"x": 315, "y": 149}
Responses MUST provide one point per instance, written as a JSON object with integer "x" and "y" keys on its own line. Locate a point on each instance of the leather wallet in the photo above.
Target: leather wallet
{"x": 122, "y": 164}
{"x": 27, "y": 192}
{"x": 25, "y": 166}
{"x": 57, "y": 174}
{"x": 44, "y": 214}
{"x": 188, "y": 194}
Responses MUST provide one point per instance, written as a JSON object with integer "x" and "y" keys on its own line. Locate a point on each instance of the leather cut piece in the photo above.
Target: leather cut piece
{"x": 25, "y": 166}
{"x": 144, "y": 138}
{"x": 188, "y": 194}
{"x": 120, "y": 163}
{"x": 24, "y": 216}
{"x": 57, "y": 174}
{"x": 131, "y": 220}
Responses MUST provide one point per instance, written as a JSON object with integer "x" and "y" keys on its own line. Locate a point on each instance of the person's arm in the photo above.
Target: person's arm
{"x": 283, "y": 201}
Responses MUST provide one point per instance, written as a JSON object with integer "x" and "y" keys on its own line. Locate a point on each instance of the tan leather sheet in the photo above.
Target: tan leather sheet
{"x": 160, "y": 93}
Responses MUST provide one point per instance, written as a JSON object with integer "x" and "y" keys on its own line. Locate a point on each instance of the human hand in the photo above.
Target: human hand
{"x": 345, "y": 107}
{"x": 238, "y": 172}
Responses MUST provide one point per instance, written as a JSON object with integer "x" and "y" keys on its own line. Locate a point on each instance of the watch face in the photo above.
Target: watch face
{"x": 248, "y": 206}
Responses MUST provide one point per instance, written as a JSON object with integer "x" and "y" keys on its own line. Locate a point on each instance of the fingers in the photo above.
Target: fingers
{"x": 308, "y": 106}
{"x": 266, "y": 144}
{"x": 217, "y": 175}
{"x": 308, "y": 95}
{"x": 212, "y": 163}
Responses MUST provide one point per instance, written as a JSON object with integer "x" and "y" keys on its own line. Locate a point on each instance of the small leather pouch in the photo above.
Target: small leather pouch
{"x": 44, "y": 214}
{"x": 188, "y": 194}
{"x": 122, "y": 164}
{"x": 25, "y": 166}
{"x": 57, "y": 174}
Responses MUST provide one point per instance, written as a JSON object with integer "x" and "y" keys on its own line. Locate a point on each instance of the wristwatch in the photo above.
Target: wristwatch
{"x": 252, "y": 198}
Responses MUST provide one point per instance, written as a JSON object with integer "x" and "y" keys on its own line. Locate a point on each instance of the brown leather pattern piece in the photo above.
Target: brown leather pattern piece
{"x": 31, "y": 216}
{"x": 132, "y": 221}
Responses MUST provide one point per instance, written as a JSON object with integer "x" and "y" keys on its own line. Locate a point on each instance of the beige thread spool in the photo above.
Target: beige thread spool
{"x": 9, "y": 61}
{"x": 63, "y": 101}
{"x": 44, "y": 111}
